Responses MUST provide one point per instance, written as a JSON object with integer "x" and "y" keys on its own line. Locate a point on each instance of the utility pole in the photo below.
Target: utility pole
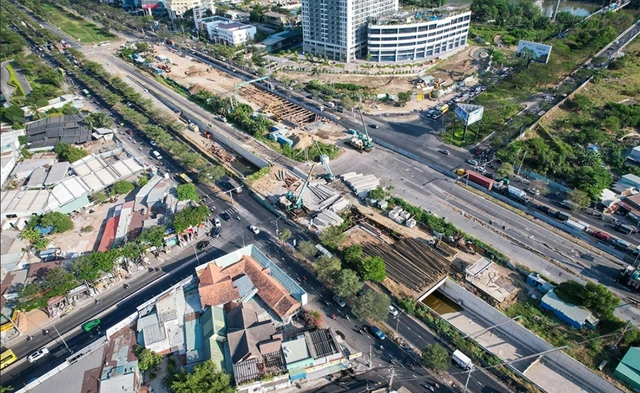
{"x": 370, "y": 356}
{"x": 64, "y": 342}
{"x": 521, "y": 162}
{"x": 393, "y": 374}
{"x": 398, "y": 320}
{"x": 621, "y": 335}
{"x": 468, "y": 378}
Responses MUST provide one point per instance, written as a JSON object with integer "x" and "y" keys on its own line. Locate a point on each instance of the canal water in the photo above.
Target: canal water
{"x": 578, "y": 8}
{"x": 441, "y": 304}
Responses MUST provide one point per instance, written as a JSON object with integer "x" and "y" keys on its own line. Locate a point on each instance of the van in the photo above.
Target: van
{"x": 621, "y": 244}
{"x": 563, "y": 216}
{"x": 626, "y": 229}
{"x": 331, "y": 105}
{"x": 156, "y": 155}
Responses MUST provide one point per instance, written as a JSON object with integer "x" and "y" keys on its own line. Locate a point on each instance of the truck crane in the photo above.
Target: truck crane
{"x": 362, "y": 141}
{"x": 324, "y": 160}
{"x": 290, "y": 202}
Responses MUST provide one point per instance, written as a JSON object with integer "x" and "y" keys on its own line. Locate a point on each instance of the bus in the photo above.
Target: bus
{"x": 6, "y": 358}
{"x": 185, "y": 179}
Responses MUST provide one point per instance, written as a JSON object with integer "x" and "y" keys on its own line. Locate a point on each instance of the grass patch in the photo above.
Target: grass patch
{"x": 13, "y": 81}
{"x": 75, "y": 26}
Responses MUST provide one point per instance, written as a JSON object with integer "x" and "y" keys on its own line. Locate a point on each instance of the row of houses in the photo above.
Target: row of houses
{"x": 239, "y": 311}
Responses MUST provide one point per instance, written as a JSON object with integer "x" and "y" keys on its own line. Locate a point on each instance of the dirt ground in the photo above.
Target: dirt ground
{"x": 76, "y": 241}
{"x": 204, "y": 75}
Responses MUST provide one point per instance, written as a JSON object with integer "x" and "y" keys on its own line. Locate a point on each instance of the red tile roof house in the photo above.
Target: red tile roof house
{"x": 231, "y": 282}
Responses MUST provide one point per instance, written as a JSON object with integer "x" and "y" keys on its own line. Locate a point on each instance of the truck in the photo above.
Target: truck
{"x": 626, "y": 229}
{"x": 50, "y": 254}
{"x": 461, "y": 360}
{"x": 517, "y": 193}
{"x": 576, "y": 225}
{"x": 234, "y": 186}
{"x": 479, "y": 179}
{"x": 601, "y": 235}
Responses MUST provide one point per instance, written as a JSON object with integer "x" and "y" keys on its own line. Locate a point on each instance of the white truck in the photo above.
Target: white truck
{"x": 577, "y": 225}
{"x": 462, "y": 360}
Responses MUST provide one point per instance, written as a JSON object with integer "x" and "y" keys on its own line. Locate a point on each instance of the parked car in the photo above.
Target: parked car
{"x": 37, "y": 355}
{"x": 377, "y": 332}
{"x": 254, "y": 229}
{"x": 472, "y": 162}
{"x": 533, "y": 191}
{"x": 393, "y": 311}
{"x": 339, "y": 301}
{"x": 601, "y": 235}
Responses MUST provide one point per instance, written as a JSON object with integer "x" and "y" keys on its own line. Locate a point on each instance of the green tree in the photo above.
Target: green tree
{"x": 85, "y": 270}
{"x": 379, "y": 194}
{"x": 404, "y": 97}
{"x": 12, "y": 114}
{"x": 505, "y": 170}
{"x": 6, "y": 389}
{"x": 70, "y": 153}
{"x": 284, "y": 235}
{"x": 373, "y": 269}
{"x": 189, "y": 217}
{"x": 580, "y": 102}
{"x": 205, "y": 378}
{"x": 58, "y": 282}
{"x": 143, "y": 180}
{"x": 436, "y": 357}
{"x": 372, "y": 305}
{"x": 147, "y": 359}
{"x": 600, "y": 300}
{"x": 352, "y": 255}
{"x": 105, "y": 261}
{"x": 332, "y": 236}
{"x": 122, "y": 187}
{"x": 59, "y": 221}
{"x": 131, "y": 250}
{"x": 31, "y": 297}
{"x": 211, "y": 174}
{"x": 326, "y": 267}
{"x": 154, "y": 235}
{"x": 347, "y": 283}
{"x": 187, "y": 192}
{"x": 579, "y": 198}
{"x": 347, "y": 102}
{"x": 98, "y": 120}
{"x": 99, "y": 197}
{"x": 307, "y": 249}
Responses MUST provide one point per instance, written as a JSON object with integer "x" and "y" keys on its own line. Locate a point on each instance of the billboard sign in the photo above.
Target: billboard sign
{"x": 533, "y": 51}
{"x": 469, "y": 114}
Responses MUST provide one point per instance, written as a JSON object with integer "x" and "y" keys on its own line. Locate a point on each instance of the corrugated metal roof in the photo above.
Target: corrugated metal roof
{"x": 571, "y": 311}
{"x": 57, "y": 172}
{"x": 629, "y": 367}
{"x": 37, "y": 177}
{"x": 52, "y": 131}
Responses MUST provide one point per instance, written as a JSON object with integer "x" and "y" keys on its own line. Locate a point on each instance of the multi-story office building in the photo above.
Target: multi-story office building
{"x": 338, "y": 28}
{"x": 177, "y": 8}
{"x": 234, "y": 33}
{"x": 417, "y": 36}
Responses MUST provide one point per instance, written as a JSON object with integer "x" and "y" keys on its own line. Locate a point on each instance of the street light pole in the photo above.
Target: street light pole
{"x": 277, "y": 231}
{"x": 398, "y": 320}
{"x": 64, "y": 342}
{"x": 468, "y": 378}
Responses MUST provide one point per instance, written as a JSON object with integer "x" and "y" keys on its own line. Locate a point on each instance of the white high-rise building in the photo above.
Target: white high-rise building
{"x": 338, "y": 28}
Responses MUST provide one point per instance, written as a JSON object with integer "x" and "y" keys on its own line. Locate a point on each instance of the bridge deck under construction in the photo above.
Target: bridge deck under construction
{"x": 281, "y": 109}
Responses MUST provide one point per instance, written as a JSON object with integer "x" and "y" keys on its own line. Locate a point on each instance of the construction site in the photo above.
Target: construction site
{"x": 196, "y": 76}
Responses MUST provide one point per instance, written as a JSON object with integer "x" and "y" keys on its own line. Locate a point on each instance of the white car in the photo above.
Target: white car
{"x": 217, "y": 222}
{"x": 39, "y": 354}
{"x": 254, "y": 229}
{"x": 393, "y": 311}
{"x": 473, "y": 162}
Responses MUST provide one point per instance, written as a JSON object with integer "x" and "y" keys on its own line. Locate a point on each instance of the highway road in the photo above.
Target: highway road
{"x": 113, "y": 307}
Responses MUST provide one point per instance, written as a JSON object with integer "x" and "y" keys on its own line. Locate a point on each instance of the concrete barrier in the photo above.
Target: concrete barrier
{"x": 580, "y": 374}
{"x": 125, "y": 322}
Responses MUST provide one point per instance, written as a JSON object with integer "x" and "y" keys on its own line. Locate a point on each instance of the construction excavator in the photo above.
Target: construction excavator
{"x": 324, "y": 160}
{"x": 292, "y": 203}
{"x": 362, "y": 141}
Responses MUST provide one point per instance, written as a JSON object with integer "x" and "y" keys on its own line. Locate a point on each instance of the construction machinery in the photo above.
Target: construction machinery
{"x": 324, "y": 160}
{"x": 292, "y": 203}
{"x": 362, "y": 141}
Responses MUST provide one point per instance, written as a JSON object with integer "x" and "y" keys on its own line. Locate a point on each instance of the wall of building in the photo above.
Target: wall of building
{"x": 415, "y": 41}
{"x": 527, "y": 339}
